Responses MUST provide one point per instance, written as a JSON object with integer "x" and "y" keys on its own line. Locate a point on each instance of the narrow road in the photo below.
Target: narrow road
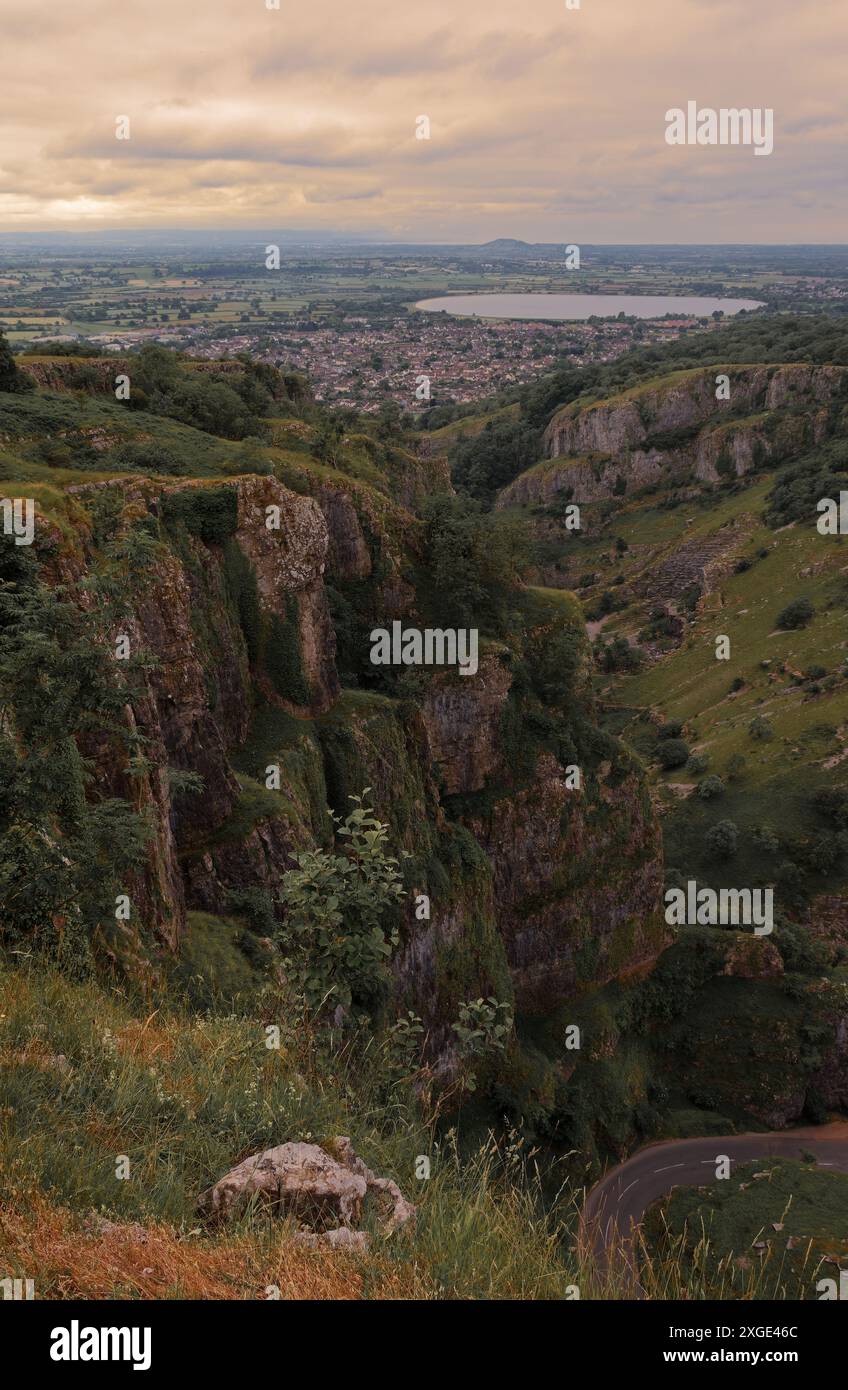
{"x": 617, "y": 1204}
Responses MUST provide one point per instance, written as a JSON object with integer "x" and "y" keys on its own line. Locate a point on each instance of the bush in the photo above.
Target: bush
{"x": 334, "y": 937}
{"x": 617, "y": 655}
{"x": 698, "y": 763}
{"x": 710, "y": 787}
{"x": 722, "y": 839}
{"x": 672, "y": 753}
{"x": 765, "y": 838}
{"x": 760, "y": 727}
{"x": 796, "y": 614}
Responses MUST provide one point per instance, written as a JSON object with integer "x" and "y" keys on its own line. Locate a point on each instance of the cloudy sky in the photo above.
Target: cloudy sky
{"x": 546, "y": 123}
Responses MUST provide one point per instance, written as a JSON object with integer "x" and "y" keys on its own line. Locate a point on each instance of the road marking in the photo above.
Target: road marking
{"x": 669, "y": 1167}
{"x": 627, "y": 1189}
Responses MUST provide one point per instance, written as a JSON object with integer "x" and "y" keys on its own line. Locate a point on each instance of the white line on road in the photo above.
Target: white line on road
{"x": 669, "y": 1167}
{"x": 627, "y": 1189}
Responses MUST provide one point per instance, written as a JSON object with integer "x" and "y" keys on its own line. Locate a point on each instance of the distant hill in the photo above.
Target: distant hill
{"x": 511, "y": 247}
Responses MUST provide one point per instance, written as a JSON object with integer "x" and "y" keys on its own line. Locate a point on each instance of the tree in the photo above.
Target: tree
{"x": 11, "y": 377}
{"x": 8, "y": 369}
{"x": 65, "y": 848}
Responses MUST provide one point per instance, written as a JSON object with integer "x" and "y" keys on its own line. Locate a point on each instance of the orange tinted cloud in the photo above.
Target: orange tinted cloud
{"x": 546, "y": 123}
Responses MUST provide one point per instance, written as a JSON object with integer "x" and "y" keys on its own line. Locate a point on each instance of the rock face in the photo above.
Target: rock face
{"x": 688, "y": 400}
{"x": 562, "y": 923}
{"x": 325, "y": 1191}
{"x": 510, "y": 855}
{"x": 461, "y": 717}
{"x": 677, "y": 430}
{"x": 196, "y": 701}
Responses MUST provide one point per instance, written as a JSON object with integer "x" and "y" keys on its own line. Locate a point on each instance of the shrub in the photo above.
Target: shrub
{"x": 760, "y": 727}
{"x": 698, "y": 763}
{"x": 796, "y": 614}
{"x": 334, "y": 937}
{"x": 672, "y": 753}
{"x": 711, "y": 787}
{"x": 722, "y": 839}
{"x": 617, "y": 655}
{"x": 735, "y": 767}
{"x": 763, "y": 836}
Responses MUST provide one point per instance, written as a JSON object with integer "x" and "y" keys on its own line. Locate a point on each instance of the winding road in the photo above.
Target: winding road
{"x": 617, "y": 1204}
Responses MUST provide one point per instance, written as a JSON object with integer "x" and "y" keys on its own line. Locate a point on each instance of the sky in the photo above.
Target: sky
{"x": 546, "y": 122}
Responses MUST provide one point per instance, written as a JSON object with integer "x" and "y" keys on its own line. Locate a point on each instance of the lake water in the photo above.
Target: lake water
{"x": 581, "y": 306}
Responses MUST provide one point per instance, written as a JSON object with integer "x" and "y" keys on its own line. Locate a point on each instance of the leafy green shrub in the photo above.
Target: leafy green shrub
{"x": 722, "y": 839}
{"x": 710, "y": 788}
{"x": 334, "y": 936}
{"x": 483, "y": 1027}
{"x": 735, "y": 767}
{"x": 760, "y": 727}
{"x": 673, "y": 752}
{"x": 796, "y": 614}
{"x": 764, "y": 837}
{"x": 617, "y": 655}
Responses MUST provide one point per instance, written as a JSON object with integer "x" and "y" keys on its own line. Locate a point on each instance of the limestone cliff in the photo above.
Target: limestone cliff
{"x": 677, "y": 430}
{"x": 233, "y": 614}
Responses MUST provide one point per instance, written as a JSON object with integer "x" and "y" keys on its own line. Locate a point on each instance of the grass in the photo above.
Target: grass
{"x": 184, "y": 1098}
{"x": 256, "y": 803}
{"x": 87, "y": 1075}
{"x": 725, "y": 1234}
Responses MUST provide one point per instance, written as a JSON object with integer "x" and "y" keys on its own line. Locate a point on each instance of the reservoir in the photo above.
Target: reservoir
{"x": 572, "y": 307}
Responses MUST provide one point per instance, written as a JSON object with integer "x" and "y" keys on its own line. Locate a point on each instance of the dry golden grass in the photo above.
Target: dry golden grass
{"x": 50, "y": 1245}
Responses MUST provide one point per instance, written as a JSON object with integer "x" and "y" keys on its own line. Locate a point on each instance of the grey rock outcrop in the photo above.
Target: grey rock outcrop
{"x": 325, "y": 1191}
